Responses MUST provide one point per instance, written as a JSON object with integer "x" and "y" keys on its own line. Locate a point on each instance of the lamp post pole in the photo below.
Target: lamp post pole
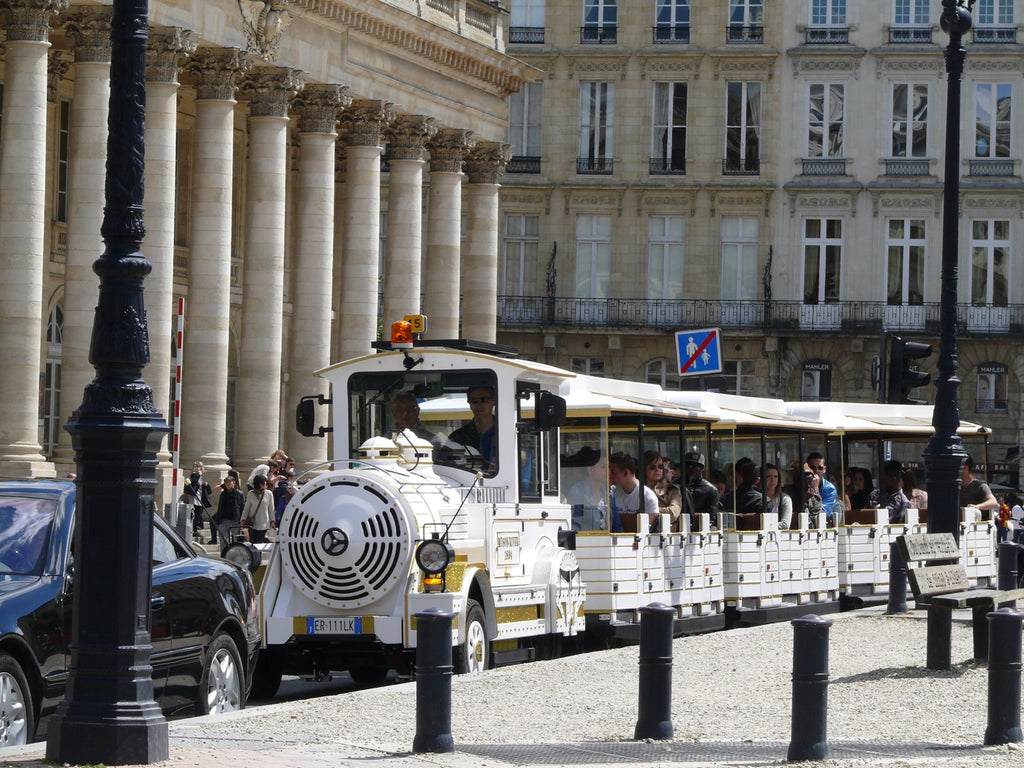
{"x": 945, "y": 454}
{"x": 109, "y": 715}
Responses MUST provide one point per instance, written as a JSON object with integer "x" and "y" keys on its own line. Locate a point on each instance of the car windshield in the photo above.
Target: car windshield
{"x": 25, "y": 524}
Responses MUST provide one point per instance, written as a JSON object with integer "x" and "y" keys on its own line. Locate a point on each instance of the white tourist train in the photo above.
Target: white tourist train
{"x": 511, "y": 530}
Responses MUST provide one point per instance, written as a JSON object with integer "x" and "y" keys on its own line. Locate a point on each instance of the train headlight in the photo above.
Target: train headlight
{"x": 244, "y": 554}
{"x": 434, "y": 555}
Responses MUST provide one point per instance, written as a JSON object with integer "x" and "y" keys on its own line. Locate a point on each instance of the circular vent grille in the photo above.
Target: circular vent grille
{"x": 347, "y": 541}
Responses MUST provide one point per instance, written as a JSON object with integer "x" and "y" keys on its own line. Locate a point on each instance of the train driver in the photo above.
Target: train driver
{"x": 479, "y": 432}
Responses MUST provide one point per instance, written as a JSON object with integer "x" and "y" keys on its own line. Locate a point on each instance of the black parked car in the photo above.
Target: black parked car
{"x": 204, "y": 630}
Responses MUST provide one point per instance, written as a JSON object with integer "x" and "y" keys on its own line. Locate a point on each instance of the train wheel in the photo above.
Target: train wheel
{"x": 474, "y": 654}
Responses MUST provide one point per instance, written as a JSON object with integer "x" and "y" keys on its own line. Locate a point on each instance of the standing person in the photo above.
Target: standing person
{"x": 1016, "y": 519}
{"x": 973, "y": 492}
{"x": 778, "y": 500}
{"x": 627, "y": 490}
{"x": 258, "y": 511}
{"x": 828, "y": 491}
{"x": 201, "y": 501}
{"x": 706, "y": 496}
{"x": 478, "y": 433}
{"x": 229, "y": 510}
{"x": 670, "y": 498}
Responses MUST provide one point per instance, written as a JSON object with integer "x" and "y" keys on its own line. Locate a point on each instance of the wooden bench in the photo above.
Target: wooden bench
{"x": 936, "y": 574}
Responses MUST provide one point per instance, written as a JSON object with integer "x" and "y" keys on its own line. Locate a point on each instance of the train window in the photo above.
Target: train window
{"x": 583, "y": 472}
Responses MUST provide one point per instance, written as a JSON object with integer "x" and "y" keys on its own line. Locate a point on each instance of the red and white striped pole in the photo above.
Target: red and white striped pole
{"x": 179, "y": 342}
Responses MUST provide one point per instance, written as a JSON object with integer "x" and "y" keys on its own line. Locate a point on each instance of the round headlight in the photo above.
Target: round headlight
{"x": 434, "y": 555}
{"x": 244, "y": 554}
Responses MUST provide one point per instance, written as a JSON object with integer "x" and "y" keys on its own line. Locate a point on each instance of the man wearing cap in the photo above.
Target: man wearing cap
{"x": 705, "y": 495}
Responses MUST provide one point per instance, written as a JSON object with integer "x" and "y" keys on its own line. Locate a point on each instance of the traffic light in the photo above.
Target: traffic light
{"x": 903, "y": 373}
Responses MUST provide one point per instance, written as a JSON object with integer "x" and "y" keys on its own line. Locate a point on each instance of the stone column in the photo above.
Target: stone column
{"x": 208, "y": 304}
{"x": 407, "y": 138}
{"x": 259, "y": 367}
{"x": 340, "y": 166}
{"x": 167, "y": 47}
{"x": 364, "y": 123}
{"x": 441, "y": 273}
{"x": 88, "y": 29}
{"x": 312, "y": 282}
{"x": 480, "y": 287}
{"x": 22, "y": 231}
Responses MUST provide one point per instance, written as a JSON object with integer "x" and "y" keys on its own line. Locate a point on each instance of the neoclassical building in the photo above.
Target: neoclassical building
{"x": 773, "y": 169}
{"x": 280, "y": 135}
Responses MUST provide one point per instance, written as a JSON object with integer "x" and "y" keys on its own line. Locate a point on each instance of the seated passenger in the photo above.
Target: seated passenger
{"x": 406, "y": 411}
{"x": 670, "y": 498}
{"x": 479, "y": 433}
{"x": 811, "y": 496}
{"x": 749, "y": 499}
{"x": 629, "y": 495}
{"x": 589, "y": 495}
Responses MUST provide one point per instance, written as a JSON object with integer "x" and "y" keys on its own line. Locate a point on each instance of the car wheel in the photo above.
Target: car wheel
{"x": 474, "y": 654}
{"x": 17, "y": 719}
{"x": 221, "y": 688}
{"x": 266, "y": 678}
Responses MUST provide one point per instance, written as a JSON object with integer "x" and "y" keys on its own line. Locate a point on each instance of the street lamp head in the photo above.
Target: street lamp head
{"x": 956, "y": 16}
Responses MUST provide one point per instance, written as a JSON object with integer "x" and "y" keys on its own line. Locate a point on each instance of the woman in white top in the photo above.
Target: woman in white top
{"x": 778, "y": 501}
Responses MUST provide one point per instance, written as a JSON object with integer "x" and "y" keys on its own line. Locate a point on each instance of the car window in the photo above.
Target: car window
{"x": 164, "y": 550}
{"x": 25, "y": 525}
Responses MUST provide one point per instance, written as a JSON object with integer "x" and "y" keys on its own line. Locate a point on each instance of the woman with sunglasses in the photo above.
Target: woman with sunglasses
{"x": 670, "y": 498}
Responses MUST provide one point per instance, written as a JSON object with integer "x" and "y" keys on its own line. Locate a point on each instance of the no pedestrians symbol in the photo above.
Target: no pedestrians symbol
{"x": 699, "y": 352}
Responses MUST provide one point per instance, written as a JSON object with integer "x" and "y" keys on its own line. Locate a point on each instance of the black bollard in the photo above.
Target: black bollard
{"x": 1007, "y": 573}
{"x": 1004, "y": 647}
{"x": 654, "y": 714}
{"x": 897, "y": 581}
{"x": 810, "y": 689}
{"x": 433, "y": 682}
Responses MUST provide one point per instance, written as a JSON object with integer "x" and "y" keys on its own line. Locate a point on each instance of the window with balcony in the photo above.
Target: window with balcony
{"x": 990, "y": 262}
{"x": 823, "y": 250}
{"x": 596, "y": 129}
{"x": 991, "y": 387}
{"x": 828, "y": 23}
{"x": 993, "y": 22}
{"x": 524, "y": 124}
{"x": 668, "y": 129}
{"x": 746, "y": 22}
{"x": 665, "y": 236}
{"x": 526, "y": 24}
{"x": 992, "y": 113}
{"x": 905, "y": 243}
{"x": 909, "y": 130}
{"x": 519, "y": 266}
{"x": 672, "y": 21}
{"x": 825, "y": 120}
{"x": 742, "y": 129}
{"x": 593, "y": 256}
{"x": 600, "y": 22}
{"x": 816, "y": 380}
{"x": 739, "y": 271}
{"x": 911, "y": 22}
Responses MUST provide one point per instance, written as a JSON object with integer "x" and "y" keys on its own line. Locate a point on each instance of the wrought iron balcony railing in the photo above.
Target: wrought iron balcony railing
{"x": 744, "y": 34}
{"x": 823, "y": 166}
{"x": 910, "y": 34}
{"x": 594, "y": 165}
{"x": 606, "y": 35}
{"x": 907, "y": 166}
{"x": 665, "y": 34}
{"x": 827, "y": 35}
{"x": 1002, "y": 35}
{"x": 667, "y": 166}
{"x": 991, "y": 166}
{"x": 523, "y": 164}
{"x": 776, "y": 317}
{"x": 526, "y": 35}
{"x": 741, "y": 166}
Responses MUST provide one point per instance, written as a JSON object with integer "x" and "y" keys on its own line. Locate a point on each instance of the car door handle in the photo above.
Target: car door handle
{"x": 157, "y": 602}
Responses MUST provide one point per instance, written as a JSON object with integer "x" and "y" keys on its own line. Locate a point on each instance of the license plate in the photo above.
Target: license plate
{"x": 337, "y": 625}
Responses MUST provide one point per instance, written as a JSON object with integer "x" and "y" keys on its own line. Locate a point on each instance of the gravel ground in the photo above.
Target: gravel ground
{"x": 727, "y": 686}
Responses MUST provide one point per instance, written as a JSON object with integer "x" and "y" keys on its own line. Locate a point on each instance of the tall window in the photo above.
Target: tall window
{"x": 911, "y": 13}
{"x": 665, "y": 257}
{"x": 823, "y": 249}
{"x": 994, "y": 13}
{"x": 828, "y": 13}
{"x": 596, "y": 135}
{"x": 672, "y": 21}
{"x": 49, "y": 406}
{"x": 526, "y": 24}
{"x": 743, "y": 128}
{"x": 825, "y": 120}
{"x": 739, "y": 258}
{"x": 992, "y": 102}
{"x": 909, "y": 120}
{"x": 990, "y": 261}
{"x": 746, "y": 21}
{"x": 524, "y": 121}
{"x": 593, "y": 256}
{"x": 600, "y": 20}
{"x": 522, "y": 237}
{"x": 905, "y": 249}
{"x": 63, "y": 158}
{"x": 668, "y": 128}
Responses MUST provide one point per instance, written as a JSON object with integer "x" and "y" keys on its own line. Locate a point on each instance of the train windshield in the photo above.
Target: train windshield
{"x": 454, "y": 411}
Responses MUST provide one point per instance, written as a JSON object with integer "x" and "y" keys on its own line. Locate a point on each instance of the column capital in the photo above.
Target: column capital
{"x": 167, "y": 47}
{"x": 448, "y": 149}
{"x": 29, "y": 20}
{"x": 364, "y": 122}
{"x": 270, "y": 89}
{"x": 215, "y": 70}
{"x": 486, "y": 161}
{"x": 318, "y": 106}
{"x": 88, "y": 27}
{"x": 58, "y": 63}
{"x": 408, "y": 136}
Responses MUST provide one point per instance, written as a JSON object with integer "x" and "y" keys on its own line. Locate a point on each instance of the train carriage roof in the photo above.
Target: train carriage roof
{"x": 896, "y": 419}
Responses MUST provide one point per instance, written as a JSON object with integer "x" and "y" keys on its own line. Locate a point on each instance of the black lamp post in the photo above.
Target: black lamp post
{"x": 109, "y": 715}
{"x": 945, "y": 454}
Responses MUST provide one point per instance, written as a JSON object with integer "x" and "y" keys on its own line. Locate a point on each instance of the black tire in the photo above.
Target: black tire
{"x": 266, "y": 678}
{"x": 473, "y": 655}
{"x": 222, "y": 687}
{"x": 369, "y": 675}
{"x": 17, "y": 716}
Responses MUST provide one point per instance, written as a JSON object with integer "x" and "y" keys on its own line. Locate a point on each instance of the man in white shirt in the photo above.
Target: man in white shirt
{"x": 627, "y": 490}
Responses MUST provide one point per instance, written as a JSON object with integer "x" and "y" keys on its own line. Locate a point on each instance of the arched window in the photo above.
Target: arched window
{"x": 49, "y": 402}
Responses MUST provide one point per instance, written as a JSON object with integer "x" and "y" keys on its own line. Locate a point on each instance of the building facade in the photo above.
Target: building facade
{"x": 265, "y": 192}
{"x": 773, "y": 169}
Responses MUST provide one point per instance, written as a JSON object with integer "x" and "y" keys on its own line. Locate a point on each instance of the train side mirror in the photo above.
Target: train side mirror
{"x": 550, "y": 411}
{"x": 305, "y": 416}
